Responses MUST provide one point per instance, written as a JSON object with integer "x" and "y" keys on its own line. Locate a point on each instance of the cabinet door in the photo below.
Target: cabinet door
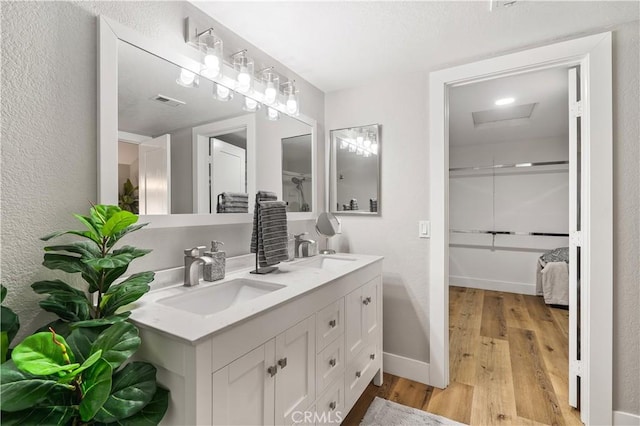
{"x": 370, "y": 300}
{"x": 243, "y": 391}
{"x": 353, "y": 326}
{"x": 295, "y": 381}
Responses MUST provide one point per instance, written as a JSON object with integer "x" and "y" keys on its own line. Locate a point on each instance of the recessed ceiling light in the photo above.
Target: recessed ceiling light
{"x": 505, "y": 101}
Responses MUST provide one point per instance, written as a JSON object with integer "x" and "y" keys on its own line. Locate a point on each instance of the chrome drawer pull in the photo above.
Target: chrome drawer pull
{"x": 282, "y": 362}
{"x": 332, "y": 362}
{"x": 272, "y": 370}
{"x": 333, "y": 405}
{"x": 372, "y": 356}
{"x": 332, "y": 323}
{"x": 358, "y": 373}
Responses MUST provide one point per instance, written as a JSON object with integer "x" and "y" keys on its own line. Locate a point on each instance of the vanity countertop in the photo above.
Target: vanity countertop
{"x": 297, "y": 277}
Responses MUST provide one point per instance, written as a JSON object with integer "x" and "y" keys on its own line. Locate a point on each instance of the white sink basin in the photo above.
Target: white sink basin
{"x": 326, "y": 262}
{"x": 218, "y": 297}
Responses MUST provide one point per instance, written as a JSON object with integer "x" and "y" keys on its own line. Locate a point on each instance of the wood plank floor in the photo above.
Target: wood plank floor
{"x": 508, "y": 365}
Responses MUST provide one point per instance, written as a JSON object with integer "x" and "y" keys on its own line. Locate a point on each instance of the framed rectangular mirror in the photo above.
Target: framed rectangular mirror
{"x": 172, "y": 141}
{"x": 354, "y": 170}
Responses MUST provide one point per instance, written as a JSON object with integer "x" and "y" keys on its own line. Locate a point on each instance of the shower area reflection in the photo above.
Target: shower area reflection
{"x": 296, "y": 173}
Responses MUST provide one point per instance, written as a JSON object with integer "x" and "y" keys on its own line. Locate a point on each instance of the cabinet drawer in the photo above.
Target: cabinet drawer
{"x": 330, "y": 408}
{"x": 359, "y": 373}
{"x": 329, "y": 324}
{"x": 329, "y": 364}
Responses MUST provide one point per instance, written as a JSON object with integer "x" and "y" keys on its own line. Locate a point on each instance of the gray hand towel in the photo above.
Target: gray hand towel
{"x": 273, "y": 233}
{"x": 260, "y": 196}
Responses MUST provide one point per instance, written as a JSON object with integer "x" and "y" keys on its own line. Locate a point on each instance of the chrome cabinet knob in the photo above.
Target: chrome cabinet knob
{"x": 332, "y": 362}
{"x": 372, "y": 356}
{"x": 272, "y": 370}
{"x": 282, "y": 362}
{"x": 366, "y": 300}
{"x": 358, "y": 373}
{"x": 333, "y": 405}
{"x": 332, "y": 323}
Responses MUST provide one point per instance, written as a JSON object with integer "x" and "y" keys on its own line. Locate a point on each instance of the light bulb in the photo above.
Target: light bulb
{"x": 352, "y": 148}
{"x": 504, "y": 101}
{"x": 292, "y": 104}
{"x": 343, "y": 144}
{"x": 212, "y": 64}
{"x": 367, "y": 142}
{"x": 367, "y": 154}
{"x": 244, "y": 79}
{"x": 359, "y": 140}
{"x": 374, "y": 148}
{"x": 250, "y": 104}
{"x": 187, "y": 78}
{"x": 270, "y": 93}
{"x": 272, "y": 114}
{"x": 222, "y": 92}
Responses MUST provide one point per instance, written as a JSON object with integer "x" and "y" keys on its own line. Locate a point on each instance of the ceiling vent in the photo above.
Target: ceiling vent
{"x": 165, "y": 100}
{"x": 503, "y": 117}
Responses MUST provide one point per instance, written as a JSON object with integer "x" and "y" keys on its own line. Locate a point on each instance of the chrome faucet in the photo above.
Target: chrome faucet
{"x": 193, "y": 258}
{"x": 302, "y": 245}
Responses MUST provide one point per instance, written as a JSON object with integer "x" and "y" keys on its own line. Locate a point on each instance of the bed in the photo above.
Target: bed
{"x": 552, "y": 278}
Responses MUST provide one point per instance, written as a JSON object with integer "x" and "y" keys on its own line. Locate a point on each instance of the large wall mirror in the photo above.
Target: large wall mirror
{"x": 172, "y": 141}
{"x": 355, "y": 170}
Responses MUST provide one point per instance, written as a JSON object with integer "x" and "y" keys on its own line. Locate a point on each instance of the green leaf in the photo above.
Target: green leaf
{"x": 88, "y": 363}
{"x": 68, "y": 308}
{"x": 3, "y": 293}
{"x": 70, "y": 264}
{"x": 9, "y": 322}
{"x": 80, "y": 341}
{"x": 132, "y": 389}
{"x": 119, "y": 258}
{"x": 19, "y": 390}
{"x": 96, "y": 385}
{"x": 84, "y": 234}
{"x": 110, "y": 275}
{"x": 126, "y": 292}
{"x": 124, "y": 232}
{"x": 118, "y": 343}
{"x": 83, "y": 248}
{"x": 39, "y": 355}
{"x": 101, "y": 213}
{"x": 152, "y": 413}
{"x": 101, "y": 322}
{"x": 4, "y": 346}
{"x": 118, "y": 222}
{"x": 54, "y": 415}
{"x": 93, "y": 228}
{"x": 56, "y": 287}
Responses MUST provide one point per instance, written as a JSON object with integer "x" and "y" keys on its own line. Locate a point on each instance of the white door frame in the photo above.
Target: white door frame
{"x": 593, "y": 54}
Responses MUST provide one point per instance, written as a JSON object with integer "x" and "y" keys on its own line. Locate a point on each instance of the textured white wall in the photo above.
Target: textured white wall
{"x": 49, "y": 146}
{"x": 400, "y": 105}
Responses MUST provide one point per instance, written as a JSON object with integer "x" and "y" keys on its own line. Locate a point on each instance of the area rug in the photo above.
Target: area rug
{"x": 387, "y": 413}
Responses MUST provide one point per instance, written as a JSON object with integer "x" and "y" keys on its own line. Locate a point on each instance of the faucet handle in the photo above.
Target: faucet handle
{"x": 297, "y": 237}
{"x": 195, "y": 251}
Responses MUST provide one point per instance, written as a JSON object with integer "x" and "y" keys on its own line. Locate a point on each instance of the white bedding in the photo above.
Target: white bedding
{"x": 553, "y": 282}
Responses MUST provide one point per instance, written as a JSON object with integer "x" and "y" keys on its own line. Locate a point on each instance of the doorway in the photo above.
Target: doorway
{"x": 509, "y": 218}
{"x": 593, "y": 55}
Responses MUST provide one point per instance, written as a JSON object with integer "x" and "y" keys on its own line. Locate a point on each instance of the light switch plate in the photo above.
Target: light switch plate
{"x": 424, "y": 229}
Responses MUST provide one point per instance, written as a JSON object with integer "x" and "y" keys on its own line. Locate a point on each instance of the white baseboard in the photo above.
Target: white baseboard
{"x": 511, "y": 287}
{"x": 620, "y": 418}
{"x": 408, "y": 368}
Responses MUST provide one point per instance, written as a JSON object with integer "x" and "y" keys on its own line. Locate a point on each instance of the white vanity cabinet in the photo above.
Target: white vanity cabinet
{"x": 269, "y": 383}
{"x": 305, "y": 360}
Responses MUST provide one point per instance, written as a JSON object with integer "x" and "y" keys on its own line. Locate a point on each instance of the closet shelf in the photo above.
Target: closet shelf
{"x": 494, "y": 233}
{"x": 509, "y": 166}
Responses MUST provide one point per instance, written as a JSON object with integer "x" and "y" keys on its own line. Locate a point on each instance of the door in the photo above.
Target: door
{"x": 228, "y": 169}
{"x": 243, "y": 391}
{"x": 155, "y": 175}
{"x": 295, "y": 381}
{"x": 576, "y": 323}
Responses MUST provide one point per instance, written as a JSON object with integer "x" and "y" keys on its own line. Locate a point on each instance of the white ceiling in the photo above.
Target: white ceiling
{"x": 336, "y": 45}
{"x": 548, "y": 89}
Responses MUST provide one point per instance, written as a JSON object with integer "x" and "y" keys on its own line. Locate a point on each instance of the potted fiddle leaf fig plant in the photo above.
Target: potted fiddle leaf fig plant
{"x": 78, "y": 372}
{"x": 10, "y": 324}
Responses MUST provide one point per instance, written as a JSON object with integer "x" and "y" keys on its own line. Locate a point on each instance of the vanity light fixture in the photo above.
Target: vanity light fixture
{"x": 271, "y": 82}
{"x": 222, "y": 93}
{"x": 291, "y": 95}
{"x": 273, "y": 114}
{"x": 187, "y": 78}
{"x": 367, "y": 141}
{"x": 250, "y": 105}
{"x": 244, "y": 66}
{"x": 504, "y": 101}
{"x": 211, "y": 53}
{"x": 353, "y": 147}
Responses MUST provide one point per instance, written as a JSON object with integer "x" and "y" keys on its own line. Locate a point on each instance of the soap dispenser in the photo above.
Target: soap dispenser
{"x": 215, "y": 271}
